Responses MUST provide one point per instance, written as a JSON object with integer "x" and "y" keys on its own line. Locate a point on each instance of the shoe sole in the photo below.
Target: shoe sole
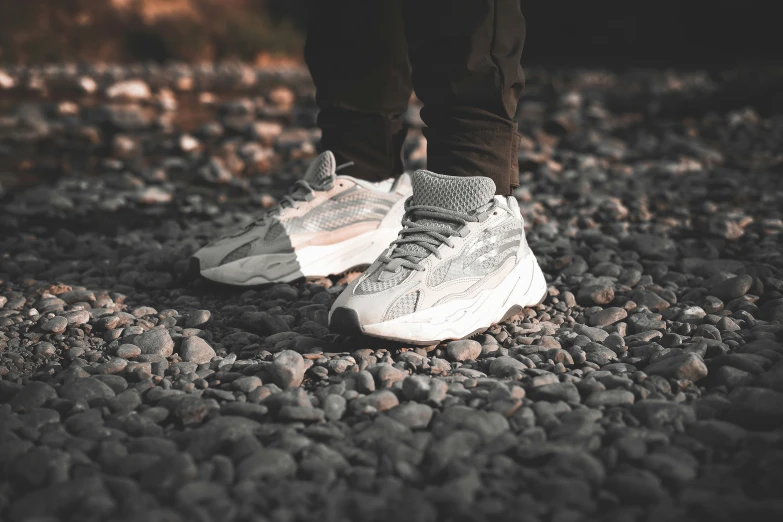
{"x": 417, "y": 328}
{"x": 313, "y": 261}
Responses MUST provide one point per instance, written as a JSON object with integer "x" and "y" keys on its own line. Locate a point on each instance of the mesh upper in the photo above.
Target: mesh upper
{"x": 462, "y": 194}
{"x": 402, "y": 306}
{"x": 236, "y": 254}
{"x": 372, "y": 284}
{"x": 361, "y": 205}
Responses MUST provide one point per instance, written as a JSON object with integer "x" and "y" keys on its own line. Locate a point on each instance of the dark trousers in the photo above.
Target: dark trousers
{"x": 461, "y": 56}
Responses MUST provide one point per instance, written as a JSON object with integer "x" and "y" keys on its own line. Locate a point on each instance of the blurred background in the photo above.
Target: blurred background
{"x": 603, "y": 32}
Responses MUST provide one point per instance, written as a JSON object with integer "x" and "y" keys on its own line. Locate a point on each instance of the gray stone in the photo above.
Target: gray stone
{"x": 155, "y": 342}
{"x": 610, "y": 398}
{"x": 732, "y": 288}
{"x": 560, "y": 391}
{"x": 288, "y": 369}
{"x": 595, "y": 294}
{"x": 33, "y": 395}
{"x": 688, "y": 366}
{"x": 608, "y": 316}
{"x": 269, "y": 463}
{"x": 197, "y": 318}
{"x": 505, "y": 366}
{"x": 128, "y": 351}
{"x": 412, "y": 415}
{"x": 594, "y": 334}
{"x": 195, "y": 349}
{"x": 56, "y": 324}
{"x": 463, "y": 350}
{"x": 87, "y": 389}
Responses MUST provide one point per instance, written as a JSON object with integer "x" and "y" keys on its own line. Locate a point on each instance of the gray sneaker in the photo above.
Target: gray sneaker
{"x": 461, "y": 264}
{"x": 328, "y": 224}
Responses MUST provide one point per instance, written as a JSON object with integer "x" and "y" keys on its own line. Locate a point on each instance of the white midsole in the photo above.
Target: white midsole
{"x": 524, "y": 286}
{"x": 312, "y": 261}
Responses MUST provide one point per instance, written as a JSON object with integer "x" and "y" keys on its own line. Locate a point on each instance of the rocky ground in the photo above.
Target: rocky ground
{"x": 647, "y": 386}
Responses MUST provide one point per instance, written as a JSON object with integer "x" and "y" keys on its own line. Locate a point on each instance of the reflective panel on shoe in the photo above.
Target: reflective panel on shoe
{"x": 461, "y": 263}
{"x": 326, "y": 225}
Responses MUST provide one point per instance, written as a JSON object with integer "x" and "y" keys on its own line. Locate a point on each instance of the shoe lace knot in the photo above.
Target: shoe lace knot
{"x": 425, "y": 229}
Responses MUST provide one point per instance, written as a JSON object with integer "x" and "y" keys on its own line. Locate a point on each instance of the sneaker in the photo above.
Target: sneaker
{"x": 327, "y": 224}
{"x": 461, "y": 263}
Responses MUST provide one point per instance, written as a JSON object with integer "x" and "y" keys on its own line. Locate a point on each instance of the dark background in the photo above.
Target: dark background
{"x": 618, "y": 33}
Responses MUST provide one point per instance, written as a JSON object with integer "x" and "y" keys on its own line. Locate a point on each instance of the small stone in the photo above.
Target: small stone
{"x": 595, "y": 294}
{"x": 288, "y": 369}
{"x": 301, "y": 414}
{"x": 416, "y": 387}
{"x": 651, "y": 300}
{"x": 246, "y": 384}
{"x": 56, "y": 324}
{"x": 732, "y": 288}
{"x": 87, "y": 389}
{"x": 608, "y": 316}
{"x": 596, "y": 335}
{"x": 45, "y": 349}
{"x": 155, "y": 342}
{"x": 610, "y": 398}
{"x": 381, "y": 400}
{"x": 128, "y": 351}
{"x": 412, "y": 415}
{"x": 269, "y": 463}
{"x": 463, "y": 350}
{"x": 197, "y": 318}
{"x": 197, "y": 350}
{"x": 688, "y": 366}
{"x": 559, "y": 391}
{"x": 505, "y": 366}
{"x": 33, "y": 395}
{"x": 334, "y": 407}
{"x": 692, "y": 314}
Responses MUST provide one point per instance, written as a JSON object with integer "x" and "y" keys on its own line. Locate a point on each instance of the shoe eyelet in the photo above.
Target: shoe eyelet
{"x": 495, "y": 213}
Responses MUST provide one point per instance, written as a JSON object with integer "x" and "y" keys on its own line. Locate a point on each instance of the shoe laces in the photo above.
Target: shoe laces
{"x": 425, "y": 228}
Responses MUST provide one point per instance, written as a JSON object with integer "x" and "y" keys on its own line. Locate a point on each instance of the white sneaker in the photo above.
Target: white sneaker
{"x": 328, "y": 224}
{"x": 461, "y": 264}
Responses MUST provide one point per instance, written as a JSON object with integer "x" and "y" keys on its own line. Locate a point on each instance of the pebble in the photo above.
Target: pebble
{"x": 195, "y": 349}
{"x": 608, "y": 316}
{"x": 687, "y": 366}
{"x": 56, "y": 325}
{"x": 128, "y": 351}
{"x": 466, "y": 349}
{"x": 87, "y": 389}
{"x": 732, "y": 287}
{"x": 288, "y": 369}
{"x": 609, "y": 398}
{"x": 412, "y": 415}
{"x": 155, "y": 342}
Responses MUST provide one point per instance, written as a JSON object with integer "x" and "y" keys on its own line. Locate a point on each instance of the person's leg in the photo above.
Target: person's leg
{"x": 466, "y": 70}
{"x": 357, "y": 57}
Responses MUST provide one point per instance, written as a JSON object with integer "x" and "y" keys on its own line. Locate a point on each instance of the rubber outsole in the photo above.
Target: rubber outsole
{"x": 345, "y": 321}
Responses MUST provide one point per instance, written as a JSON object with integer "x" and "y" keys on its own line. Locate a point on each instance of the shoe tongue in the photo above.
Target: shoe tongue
{"x": 321, "y": 172}
{"x": 461, "y": 194}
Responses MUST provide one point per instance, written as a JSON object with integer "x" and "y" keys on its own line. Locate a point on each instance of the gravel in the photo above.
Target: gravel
{"x": 647, "y": 385}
